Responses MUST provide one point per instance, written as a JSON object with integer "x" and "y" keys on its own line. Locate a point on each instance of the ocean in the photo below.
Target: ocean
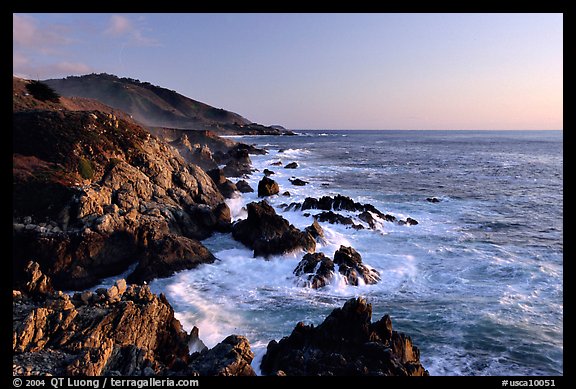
{"x": 477, "y": 284}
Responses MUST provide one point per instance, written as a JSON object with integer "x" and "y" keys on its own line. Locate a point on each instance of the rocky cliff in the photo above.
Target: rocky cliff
{"x": 95, "y": 193}
{"x": 117, "y": 331}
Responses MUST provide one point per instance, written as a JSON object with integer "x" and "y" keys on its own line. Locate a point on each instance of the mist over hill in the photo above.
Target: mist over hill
{"x": 155, "y": 106}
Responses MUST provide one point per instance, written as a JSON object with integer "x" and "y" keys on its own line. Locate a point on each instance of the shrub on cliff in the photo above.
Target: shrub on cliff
{"x": 42, "y": 91}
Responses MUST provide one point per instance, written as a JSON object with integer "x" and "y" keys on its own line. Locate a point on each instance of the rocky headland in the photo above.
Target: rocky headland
{"x": 97, "y": 193}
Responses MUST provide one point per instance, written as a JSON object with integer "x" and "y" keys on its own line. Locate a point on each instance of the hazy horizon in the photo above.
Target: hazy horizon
{"x": 321, "y": 71}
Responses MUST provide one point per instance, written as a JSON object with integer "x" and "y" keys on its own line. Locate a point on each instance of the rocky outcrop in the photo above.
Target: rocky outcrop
{"x": 291, "y": 165}
{"x": 126, "y": 331}
{"x": 367, "y": 212}
{"x": 433, "y": 199}
{"x": 347, "y": 343}
{"x": 335, "y": 218}
{"x": 267, "y": 187}
{"x": 225, "y": 186}
{"x": 268, "y": 172}
{"x": 351, "y": 267}
{"x": 244, "y": 187}
{"x": 317, "y": 270}
{"x": 106, "y": 188}
{"x": 83, "y": 335}
{"x": 316, "y": 231}
{"x": 268, "y": 233}
{"x": 238, "y": 163}
{"x": 231, "y": 357}
{"x": 169, "y": 255}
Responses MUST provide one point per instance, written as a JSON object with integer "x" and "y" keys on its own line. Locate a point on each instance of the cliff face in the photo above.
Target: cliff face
{"x": 117, "y": 331}
{"x": 92, "y": 192}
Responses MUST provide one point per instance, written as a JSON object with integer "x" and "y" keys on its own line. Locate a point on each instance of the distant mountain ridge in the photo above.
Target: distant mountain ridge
{"x": 152, "y": 105}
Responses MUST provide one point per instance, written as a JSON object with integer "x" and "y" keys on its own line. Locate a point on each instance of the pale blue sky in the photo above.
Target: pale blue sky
{"x": 329, "y": 71}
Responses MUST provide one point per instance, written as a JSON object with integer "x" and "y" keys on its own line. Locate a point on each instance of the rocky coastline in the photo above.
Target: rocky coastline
{"x": 97, "y": 194}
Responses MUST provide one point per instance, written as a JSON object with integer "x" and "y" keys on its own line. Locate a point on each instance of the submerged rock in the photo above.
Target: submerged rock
{"x": 346, "y": 343}
{"x": 268, "y": 233}
{"x": 297, "y": 182}
{"x": 291, "y": 165}
{"x": 432, "y": 199}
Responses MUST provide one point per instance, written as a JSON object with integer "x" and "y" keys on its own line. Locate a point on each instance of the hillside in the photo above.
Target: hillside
{"x": 155, "y": 106}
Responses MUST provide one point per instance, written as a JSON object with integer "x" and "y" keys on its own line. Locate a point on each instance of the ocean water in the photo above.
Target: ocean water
{"x": 477, "y": 284}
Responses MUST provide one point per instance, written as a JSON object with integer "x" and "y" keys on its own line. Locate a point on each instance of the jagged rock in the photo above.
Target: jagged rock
{"x": 267, "y": 187}
{"x": 238, "y": 160}
{"x": 268, "y": 172}
{"x": 315, "y": 230}
{"x": 368, "y": 218}
{"x": 336, "y": 218}
{"x": 169, "y": 255}
{"x": 291, "y": 165}
{"x": 244, "y": 187}
{"x": 316, "y": 270}
{"x": 346, "y": 343}
{"x": 35, "y": 282}
{"x": 226, "y": 187}
{"x": 268, "y": 233}
{"x": 231, "y": 357}
{"x": 298, "y": 182}
{"x": 351, "y": 267}
{"x": 87, "y": 339}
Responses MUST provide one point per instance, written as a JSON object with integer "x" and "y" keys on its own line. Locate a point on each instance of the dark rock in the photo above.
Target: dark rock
{"x": 277, "y": 163}
{"x": 346, "y": 343}
{"x": 350, "y": 266}
{"x": 433, "y": 199}
{"x": 411, "y": 222}
{"x": 268, "y": 233}
{"x": 74, "y": 261}
{"x": 316, "y": 269}
{"x": 225, "y": 186}
{"x": 293, "y": 207}
{"x": 169, "y": 255}
{"x": 217, "y": 218}
{"x": 291, "y": 165}
{"x": 368, "y": 218}
{"x": 339, "y": 203}
{"x": 244, "y": 187}
{"x": 231, "y": 357}
{"x": 267, "y": 187}
{"x": 268, "y": 172}
{"x": 336, "y": 218}
{"x": 315, "y": 230}
{"x": 287, "y": 194}
{"x": 298, "y": 182}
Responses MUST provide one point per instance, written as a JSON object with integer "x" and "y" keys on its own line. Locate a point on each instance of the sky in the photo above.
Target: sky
{"x": 321, "y": 70}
